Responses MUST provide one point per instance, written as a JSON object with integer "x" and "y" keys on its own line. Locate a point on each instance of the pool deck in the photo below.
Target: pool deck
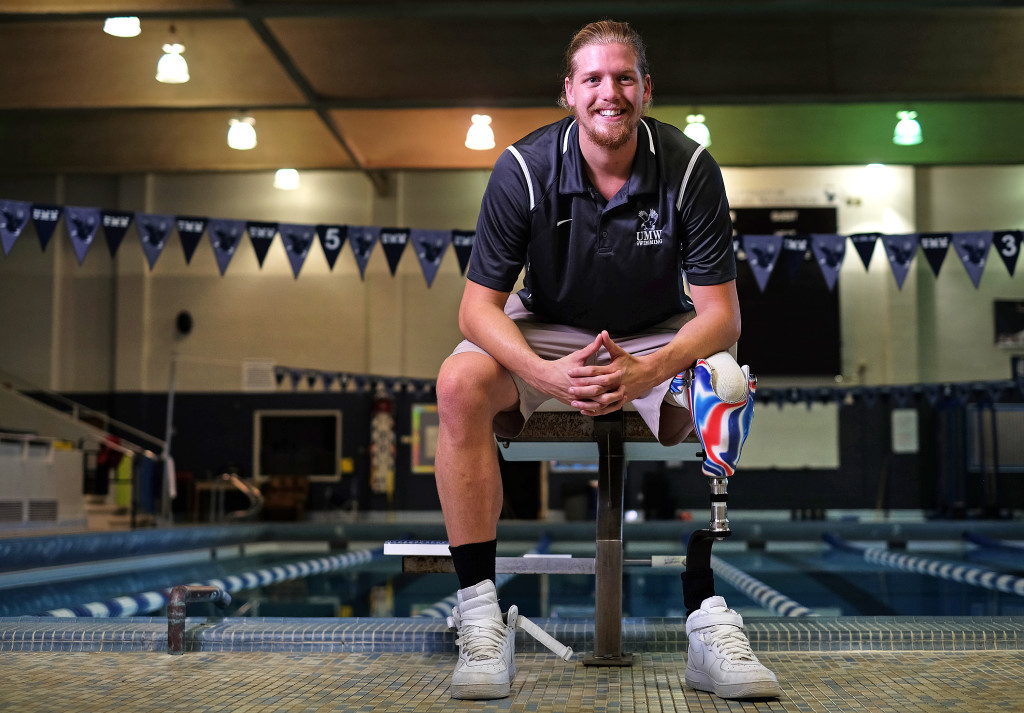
{"x": 905, "y": 664}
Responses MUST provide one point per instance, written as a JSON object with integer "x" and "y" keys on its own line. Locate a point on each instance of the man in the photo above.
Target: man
{"x": 606, "y": 210}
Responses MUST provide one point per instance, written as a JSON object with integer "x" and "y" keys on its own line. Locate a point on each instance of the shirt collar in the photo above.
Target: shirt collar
{"x": 643, "y": 179}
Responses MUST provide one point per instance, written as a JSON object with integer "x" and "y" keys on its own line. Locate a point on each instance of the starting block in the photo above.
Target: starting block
{"x": 612, "y": 440}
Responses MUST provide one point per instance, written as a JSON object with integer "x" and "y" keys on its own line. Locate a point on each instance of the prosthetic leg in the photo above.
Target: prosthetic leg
{"x": 721, "y": 399}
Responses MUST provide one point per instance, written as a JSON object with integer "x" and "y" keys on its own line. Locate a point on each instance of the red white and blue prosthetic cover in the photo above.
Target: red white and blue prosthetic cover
{"x": 721, "y": 426}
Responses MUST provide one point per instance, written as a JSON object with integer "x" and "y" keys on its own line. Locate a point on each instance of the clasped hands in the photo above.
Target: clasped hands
{"x": 596, "y": 389}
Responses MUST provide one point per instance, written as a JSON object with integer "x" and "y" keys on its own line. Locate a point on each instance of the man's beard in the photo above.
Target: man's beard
{"x": 613, "y": 137}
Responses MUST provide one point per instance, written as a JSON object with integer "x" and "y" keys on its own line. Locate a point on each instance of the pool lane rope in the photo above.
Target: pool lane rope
{"x": 990, "y": 543}
{"x": 771, "y": 599}
{"x": 956, "y": 572}
{"x": 147, "y": 602}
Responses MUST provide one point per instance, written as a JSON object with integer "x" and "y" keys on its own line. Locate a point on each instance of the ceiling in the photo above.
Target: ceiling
{"x": 383, "y": 85}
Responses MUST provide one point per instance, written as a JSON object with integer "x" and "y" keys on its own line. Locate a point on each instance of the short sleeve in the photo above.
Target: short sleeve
{"x": 503, "y": 228}
{"x": 707, "y": 252}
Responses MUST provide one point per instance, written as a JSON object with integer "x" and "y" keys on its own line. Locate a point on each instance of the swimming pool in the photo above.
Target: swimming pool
{"x": 789, "y": 557}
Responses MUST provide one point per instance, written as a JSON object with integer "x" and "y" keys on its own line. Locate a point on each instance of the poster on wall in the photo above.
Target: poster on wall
{"x": 790, "y": 310}
{"x": 424, "y": 437}
{"x": 1009, "y": 321}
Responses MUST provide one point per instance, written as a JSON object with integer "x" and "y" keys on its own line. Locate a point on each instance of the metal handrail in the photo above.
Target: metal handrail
{"x": 76, "y": 410}
{"x": 251, "y": 492}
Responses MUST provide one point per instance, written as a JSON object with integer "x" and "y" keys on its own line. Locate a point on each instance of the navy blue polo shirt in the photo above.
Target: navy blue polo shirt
{"x": 617, "y": 265}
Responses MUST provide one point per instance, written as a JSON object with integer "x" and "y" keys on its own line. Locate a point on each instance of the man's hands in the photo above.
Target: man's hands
{"x": 595, "y": 390}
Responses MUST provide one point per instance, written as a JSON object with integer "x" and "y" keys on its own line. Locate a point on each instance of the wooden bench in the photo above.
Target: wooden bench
{"x": 612, "y": 440}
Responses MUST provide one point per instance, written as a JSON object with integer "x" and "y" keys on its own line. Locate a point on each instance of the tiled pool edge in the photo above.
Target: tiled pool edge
{"x": 404, "y": 635}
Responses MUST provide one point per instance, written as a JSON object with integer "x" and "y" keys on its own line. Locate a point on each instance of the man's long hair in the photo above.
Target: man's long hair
{"x": 603, "y": 32}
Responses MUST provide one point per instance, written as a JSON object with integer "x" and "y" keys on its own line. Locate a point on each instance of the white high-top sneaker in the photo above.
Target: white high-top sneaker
{"x": 487, "y": 645}
{"x": 719, "y": 659}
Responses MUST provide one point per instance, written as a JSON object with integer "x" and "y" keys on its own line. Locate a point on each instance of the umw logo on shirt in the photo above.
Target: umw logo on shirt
{"x": 648, "y": 234}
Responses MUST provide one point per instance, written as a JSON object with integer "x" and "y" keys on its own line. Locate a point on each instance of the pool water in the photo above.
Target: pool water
{"x": 830, "y": 583}
{"x": 827, "y": 581}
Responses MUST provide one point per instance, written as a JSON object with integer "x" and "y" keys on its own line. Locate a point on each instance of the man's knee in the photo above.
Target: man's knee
{"x": 472, "y": 383}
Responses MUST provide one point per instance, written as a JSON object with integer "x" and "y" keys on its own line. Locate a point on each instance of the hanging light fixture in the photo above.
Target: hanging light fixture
{"x": 172, "y": 67}
{"x": 286, "y": 179}
{"x": 697, "y": 130}
{"x": 908, "y": 131}
{"x": 122, "y": 26}
{"x": 480, "y": 136}
{"x": 242, "y": 133}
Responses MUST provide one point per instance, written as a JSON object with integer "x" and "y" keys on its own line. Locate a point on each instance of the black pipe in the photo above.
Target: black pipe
{"x": 182, "y": 595}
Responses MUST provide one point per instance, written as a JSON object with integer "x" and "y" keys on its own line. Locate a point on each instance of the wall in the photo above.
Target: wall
{"x": 108, "y": 325}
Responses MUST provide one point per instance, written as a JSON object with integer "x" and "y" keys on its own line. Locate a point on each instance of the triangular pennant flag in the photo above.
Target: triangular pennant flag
{"x": 430, "y": 247}
{"x": 995, "y": 391}
{"x": 829, "y": 250}
{"x": 82, "y": 225}
{"x": 261, "y": 235}
{"x": 297, "y": 239}
{"x": 935, "y": 246}
{"x": 462, "y": 241}
{"x": 973, "y": 247}
{"x": 394, "y": 240}
{"x": 327, "y": 377}
{"x": 332, "y": 238}
{"x": 115, "y": 225}
{"x": 190, "y": 230}
{"x": 794, "y": 252}
{"x": 44, "y": 218}
{"x": 865, "y": 245}
{"x": 225, "y": 235}
{"x": 362, "y": 238}
{"x": 1008, "y": 244}
{"x": 900, "y": 250}
{"x": 14, "y": 217}
{"x": 762, "y": 254}
{"x": 153, "y": 232}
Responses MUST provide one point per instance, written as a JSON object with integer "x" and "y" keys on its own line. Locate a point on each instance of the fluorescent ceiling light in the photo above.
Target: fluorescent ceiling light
{"x": 908, "y": 131}
{"x": 172, "y": 67}
{"x": 287, "y": 179}
{"x": 480, "y": 136}
{"x": 697, "y": 130}
{"x": 122, "y": 26}
{"x": 242, "y": 134}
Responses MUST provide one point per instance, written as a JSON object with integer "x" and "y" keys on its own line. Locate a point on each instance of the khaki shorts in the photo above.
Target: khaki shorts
{"x": 552, "y": 341}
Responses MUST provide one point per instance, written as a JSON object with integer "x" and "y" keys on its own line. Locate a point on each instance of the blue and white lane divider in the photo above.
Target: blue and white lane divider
{"x": 954, "y": 571}
{"x": 990, "y": 543}
{"x": 771, "y": 599}
{"x": 152, "y": 601}
{"x": 443, "y": 608}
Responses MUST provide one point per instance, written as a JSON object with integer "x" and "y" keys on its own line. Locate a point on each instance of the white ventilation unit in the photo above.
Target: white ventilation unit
{"x": 258, "y": 375}
{"x": 42, "y": 511}
{"x": 10, "y": 511}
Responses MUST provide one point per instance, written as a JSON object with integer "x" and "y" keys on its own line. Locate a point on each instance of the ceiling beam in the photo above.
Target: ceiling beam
{"x": 378, "y": 179}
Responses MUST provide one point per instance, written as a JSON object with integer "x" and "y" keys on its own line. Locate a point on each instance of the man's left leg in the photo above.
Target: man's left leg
{"x": 719, "y": 659}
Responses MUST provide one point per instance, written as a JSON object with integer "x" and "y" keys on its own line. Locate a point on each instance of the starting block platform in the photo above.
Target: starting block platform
{"x": 554, "y": 433}
{"x": 432, "y": 556}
